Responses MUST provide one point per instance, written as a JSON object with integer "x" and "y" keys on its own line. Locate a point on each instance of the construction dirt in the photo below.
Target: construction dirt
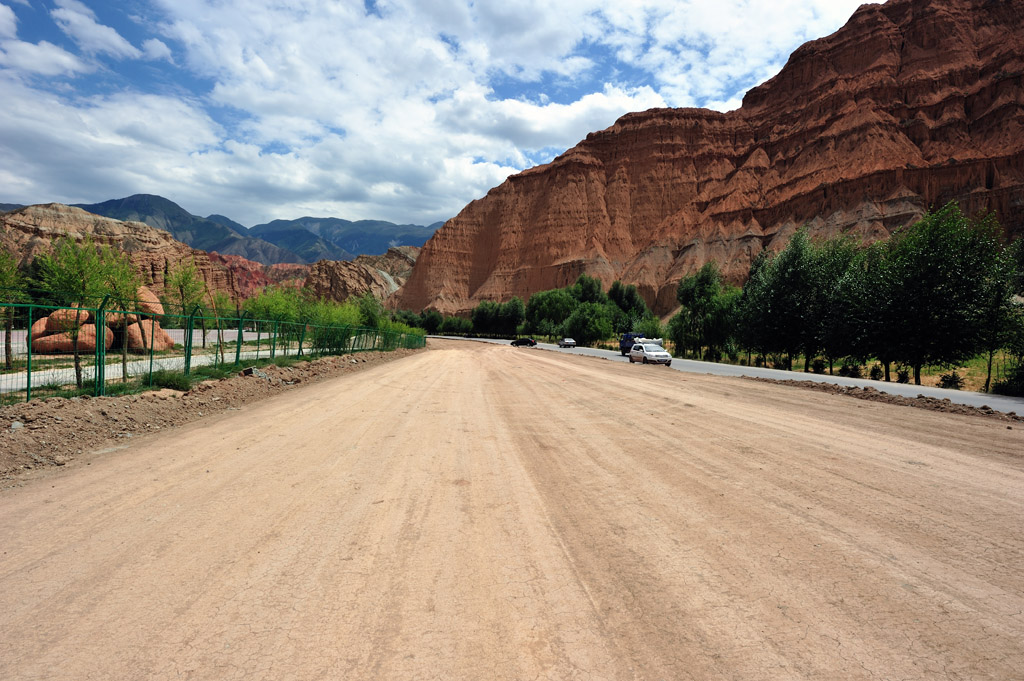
{"x": 476, "y": 511}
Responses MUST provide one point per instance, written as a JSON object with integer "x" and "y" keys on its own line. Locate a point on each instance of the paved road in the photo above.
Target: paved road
{"x": 480, "y": 512}
{"x": 998, "y": 402}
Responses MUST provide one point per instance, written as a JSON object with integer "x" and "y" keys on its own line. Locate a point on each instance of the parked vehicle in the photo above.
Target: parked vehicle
{"x": 649, "y": 353}
{"x": 628, "y": 340}
{"x": 567, "y": 343}
{"x": 528, "y": 342}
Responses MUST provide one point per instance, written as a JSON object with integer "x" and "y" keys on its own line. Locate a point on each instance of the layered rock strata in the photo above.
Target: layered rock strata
{"x": 380, "y": 275}
{"x": 912, "y": 104}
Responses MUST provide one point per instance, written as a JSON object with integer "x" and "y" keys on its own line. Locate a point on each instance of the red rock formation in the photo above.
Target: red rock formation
{"x": 32, "y": 230}
{"x": 252, "y": 277}
{"x": 141, "y": 337}
{"x": 381, "y": 275}
{"x": 64, "y": 342}
{"x": 912, "y": 104}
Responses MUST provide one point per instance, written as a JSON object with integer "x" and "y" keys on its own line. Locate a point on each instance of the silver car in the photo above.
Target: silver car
{"x": 567, "y": 343}
{"x": 649, "y": 353}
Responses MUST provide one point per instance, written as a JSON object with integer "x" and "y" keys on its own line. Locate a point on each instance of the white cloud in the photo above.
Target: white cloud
{"x": 45, "y": 59}
{"x": 156, "y": 50}
{"x": 79, "y": 23}
{"x": 8, "y": 22}
{"x": 316, "y": 108}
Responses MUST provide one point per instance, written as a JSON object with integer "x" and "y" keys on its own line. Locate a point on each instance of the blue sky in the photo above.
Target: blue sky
{"x": 400, "y": 110}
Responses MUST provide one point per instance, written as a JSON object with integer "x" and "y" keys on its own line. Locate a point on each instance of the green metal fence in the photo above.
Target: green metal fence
{"x": 64, "y": 351}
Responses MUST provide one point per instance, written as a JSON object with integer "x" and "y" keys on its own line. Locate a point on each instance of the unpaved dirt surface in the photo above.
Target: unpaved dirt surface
{"x": 483, "y": 512}
{"x": 57, "y": 431}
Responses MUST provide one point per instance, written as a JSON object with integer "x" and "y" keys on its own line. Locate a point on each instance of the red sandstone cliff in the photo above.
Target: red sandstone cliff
{"x": 910, "y": 105}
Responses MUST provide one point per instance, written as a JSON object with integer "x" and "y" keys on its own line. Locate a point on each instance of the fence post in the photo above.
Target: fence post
{"x": 100, "y": 370}
{"x": 238, "y": 344}
{"x": 28, "y": 368}
{"x": 152, "y": 332}
{"x": 273, "y": 342}
{"x": 188, "y": 340}
{"x": 302, "y": 337}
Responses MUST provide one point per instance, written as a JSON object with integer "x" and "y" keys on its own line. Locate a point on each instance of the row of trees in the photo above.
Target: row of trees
{"x": 583, "y": 311}
{"x": 937, "y": 293}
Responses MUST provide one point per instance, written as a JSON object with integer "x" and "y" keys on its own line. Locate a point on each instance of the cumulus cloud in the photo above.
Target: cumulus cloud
{"x": 404, "y": 113}
{"x": 79, "y": 23}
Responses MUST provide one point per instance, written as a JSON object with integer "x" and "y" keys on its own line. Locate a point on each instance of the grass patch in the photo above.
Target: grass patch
{"x": 171, "y": 379}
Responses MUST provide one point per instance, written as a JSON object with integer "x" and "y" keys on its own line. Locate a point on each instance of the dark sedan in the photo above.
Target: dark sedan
{"x": 528, "y": 342}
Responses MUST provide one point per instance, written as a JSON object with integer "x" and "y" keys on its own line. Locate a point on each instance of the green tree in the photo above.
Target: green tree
{"x": 456, "y": 326}
{"x": 431, "y": 320}
{"x": 122, "y": 284}
{"x": 184, "y": 287}
{"x": 74, "y": 274}
{"x": 631, "y": 303}
{"x": 588, "y": 323}
{"x": 941, "y": 272}
{"x": 485, "y": 317}
{"x": 12, "y": 290}
{"x": 548, "y": 310}
{"x": 588, "y": 289}
{"x": 707, "y": 312}
{"x": 774, "y": 310}
{"x": 371, "y": 310}
{"x": 829, "y": 262}
{"x": 510, "y": 316}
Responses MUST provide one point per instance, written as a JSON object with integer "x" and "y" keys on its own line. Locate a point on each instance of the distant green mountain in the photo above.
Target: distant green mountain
{"x": 223, "y": 235}
{"x": 304, "y": 240}
{"x": 227, "y": 222}
{"x": 296, "y": 238}
{"x": 370, "y": 237}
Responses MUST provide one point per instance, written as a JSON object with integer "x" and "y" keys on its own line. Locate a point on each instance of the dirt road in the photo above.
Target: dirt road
{"x": 484, "y": 512}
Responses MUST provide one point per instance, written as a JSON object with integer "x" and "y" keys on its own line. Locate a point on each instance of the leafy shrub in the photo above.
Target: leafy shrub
{"x": 952, "y": 381}
{"x": 903, "y": 374}
{"x": 818, "y": 366}
{"x": 876, "y": 372}
{"x": 1013, "y": 384}
{"x": 851, "y": 370}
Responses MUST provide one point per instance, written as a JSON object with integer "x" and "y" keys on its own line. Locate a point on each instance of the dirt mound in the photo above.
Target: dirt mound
{"x": 873, "y": 395}
{"x": 56, "y": 431}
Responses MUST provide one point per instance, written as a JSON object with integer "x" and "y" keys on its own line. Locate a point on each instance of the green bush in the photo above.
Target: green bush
{"x": 952, "y": 381}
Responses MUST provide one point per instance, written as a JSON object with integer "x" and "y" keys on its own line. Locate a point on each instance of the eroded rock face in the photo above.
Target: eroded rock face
{"x": 252, "y": 277}
{"x": 32, "y": 230}
{"x": 381, "y": 275}
{"x": 912, "y": 104}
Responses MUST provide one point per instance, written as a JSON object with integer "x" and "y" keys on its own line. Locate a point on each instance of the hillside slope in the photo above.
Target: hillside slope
{"x": 913, "y": 103}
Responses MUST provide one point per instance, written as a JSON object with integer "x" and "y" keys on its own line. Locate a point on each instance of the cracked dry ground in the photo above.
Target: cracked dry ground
{"x": 483, "y": 512}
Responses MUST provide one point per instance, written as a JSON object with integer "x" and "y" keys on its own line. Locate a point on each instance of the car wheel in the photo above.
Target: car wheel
{"x": 631, "y": 360}
{"x": 645, "y": 360}
{"x": 668, "y": 363}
